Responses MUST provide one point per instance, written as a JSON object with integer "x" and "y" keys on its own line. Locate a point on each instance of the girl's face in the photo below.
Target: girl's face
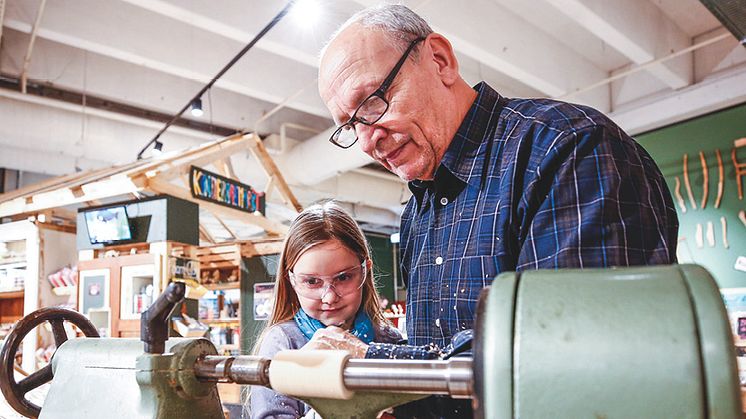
{"x": 326, "y": 260}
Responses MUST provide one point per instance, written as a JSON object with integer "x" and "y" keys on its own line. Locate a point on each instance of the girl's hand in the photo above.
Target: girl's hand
{"x": 333, "y": 337}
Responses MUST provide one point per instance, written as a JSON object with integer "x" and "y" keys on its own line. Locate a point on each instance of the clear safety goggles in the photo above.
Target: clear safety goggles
{"x": 316, "y": 286}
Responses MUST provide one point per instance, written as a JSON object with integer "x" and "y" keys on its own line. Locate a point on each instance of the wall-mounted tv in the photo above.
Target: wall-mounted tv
{"x": 108, "y": 225}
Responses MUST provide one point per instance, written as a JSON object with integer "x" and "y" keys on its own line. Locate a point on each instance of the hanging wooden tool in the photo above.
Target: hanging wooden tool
{"x": 724, "y": 225}
{"x": 686, "y": 182}
{"x": 740, "y": 167}
{"x": 679, "y": 198}
{"x": 710, "y": 234}
{"x": 721, "y": 178}
{"x": 698, "y": 237}
{"x": 706, "y": 181}
{"x": 742, "y": 217}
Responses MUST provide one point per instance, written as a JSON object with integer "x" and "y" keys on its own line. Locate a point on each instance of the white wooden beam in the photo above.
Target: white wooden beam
{"x": 727, "y": 89}
{"x": 637, "y": 29}
{"x": 510, "y": 45}
{"x": 219, "y": 27}
{"x": 69, "y": 23}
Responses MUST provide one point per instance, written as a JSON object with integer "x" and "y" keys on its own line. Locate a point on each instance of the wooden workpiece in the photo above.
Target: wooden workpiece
{"x": 710, "y": 234}
{"x": 687, "y": 184}
{"x": 679, "y": 198}
{"x": 724, "y": 225}
{"x": 721, "y": 178}
{"x": 739, "y": 167}
{"x": 705, "y": 181}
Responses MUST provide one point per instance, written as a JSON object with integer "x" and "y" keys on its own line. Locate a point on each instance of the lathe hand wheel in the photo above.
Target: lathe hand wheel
{"x": 15, "y": 392}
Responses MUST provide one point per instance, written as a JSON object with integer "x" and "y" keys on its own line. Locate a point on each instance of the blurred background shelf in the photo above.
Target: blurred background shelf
{"x": 223, "y": 286}
{"x": 8, "y": 294}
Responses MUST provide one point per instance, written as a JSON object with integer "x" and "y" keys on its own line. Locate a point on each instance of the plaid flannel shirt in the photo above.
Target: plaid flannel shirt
{"x": 525, "y": 184}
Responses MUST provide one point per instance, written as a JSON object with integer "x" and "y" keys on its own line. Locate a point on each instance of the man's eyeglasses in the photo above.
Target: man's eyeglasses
{"x": 372, "y": 108}
{"x": 316, "y": 286}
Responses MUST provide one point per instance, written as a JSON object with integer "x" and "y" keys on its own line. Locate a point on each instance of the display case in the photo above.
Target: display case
{"x": 139, "y": 287}
{"x": 129, "y": 278}
{"x": 29, "y": 252}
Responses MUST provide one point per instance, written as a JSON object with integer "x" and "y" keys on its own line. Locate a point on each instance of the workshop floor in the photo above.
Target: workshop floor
{"x": 37, "y": 396}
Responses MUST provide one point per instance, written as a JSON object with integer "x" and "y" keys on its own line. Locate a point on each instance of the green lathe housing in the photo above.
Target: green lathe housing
{"x": 650, "y": 342}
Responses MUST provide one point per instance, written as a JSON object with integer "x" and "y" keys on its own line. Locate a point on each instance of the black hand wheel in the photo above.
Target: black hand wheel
{"x": 15, "y": 392}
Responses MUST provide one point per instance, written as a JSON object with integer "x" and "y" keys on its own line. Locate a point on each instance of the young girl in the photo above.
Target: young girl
{"x": 323, "y": 279}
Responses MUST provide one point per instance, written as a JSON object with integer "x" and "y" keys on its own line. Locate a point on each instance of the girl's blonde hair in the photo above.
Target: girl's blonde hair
{"x": 317, "y": 224}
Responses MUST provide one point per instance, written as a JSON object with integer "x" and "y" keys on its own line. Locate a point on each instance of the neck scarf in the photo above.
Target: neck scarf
{"x": 362, "y": 327}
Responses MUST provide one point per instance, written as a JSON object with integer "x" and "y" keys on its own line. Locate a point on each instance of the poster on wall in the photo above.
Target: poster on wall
{"x": 263, "y": 300}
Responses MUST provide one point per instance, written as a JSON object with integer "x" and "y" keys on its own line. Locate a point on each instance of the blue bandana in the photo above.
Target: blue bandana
{"x": 362, "y": 327}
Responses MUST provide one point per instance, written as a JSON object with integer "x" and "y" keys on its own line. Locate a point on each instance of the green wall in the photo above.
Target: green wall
{"x": 383, "y": 264}
{"x": 707, "y": 133}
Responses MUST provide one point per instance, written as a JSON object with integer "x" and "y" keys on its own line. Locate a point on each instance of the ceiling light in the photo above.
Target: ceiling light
{"x": 157, "y": 148}
{"x": 306, "y": 13}
{"x": 197, "y": 108}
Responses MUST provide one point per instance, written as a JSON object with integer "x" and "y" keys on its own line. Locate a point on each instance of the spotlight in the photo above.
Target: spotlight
{"x": 197, "y": 108}
{"x": 305, "y": 13}
{"x": 157, "y": 148}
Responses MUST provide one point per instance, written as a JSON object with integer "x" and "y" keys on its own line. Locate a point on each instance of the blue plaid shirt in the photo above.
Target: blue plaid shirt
{"x": 525, "y": 184}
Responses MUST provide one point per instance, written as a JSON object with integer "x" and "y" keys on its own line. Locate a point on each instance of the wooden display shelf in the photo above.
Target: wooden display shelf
{"x": 223, "y": 286}
{"x": 222, "y": 322}
{"x": 4, "y": 295}
{"x": 12, "y": 263}
{"x": 230, "y": 255}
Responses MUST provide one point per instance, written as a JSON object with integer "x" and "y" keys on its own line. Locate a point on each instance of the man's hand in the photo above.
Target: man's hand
{"x": 334, "y": 337}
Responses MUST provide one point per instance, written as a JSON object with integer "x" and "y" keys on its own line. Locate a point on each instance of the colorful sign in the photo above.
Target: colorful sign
{"x": 212, "y": 187}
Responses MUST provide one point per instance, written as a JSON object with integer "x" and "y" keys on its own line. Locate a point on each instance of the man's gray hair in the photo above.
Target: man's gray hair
{"x": 400, "y": 24}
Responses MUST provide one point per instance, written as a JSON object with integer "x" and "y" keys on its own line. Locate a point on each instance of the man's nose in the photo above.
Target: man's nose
{"x": 368, "y": 136}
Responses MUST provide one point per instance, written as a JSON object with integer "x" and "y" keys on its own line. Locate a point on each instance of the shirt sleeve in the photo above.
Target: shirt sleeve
{"x": 395, "y": 351}
{"x": 266, "y": 403}
{"x": 597, "y": 199}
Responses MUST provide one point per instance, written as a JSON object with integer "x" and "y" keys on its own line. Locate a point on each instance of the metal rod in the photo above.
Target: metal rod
{"x": 230, "y": 64}
{"x": 452, "y": 377}
{"x": 252, "y": 370}
{"x": 27, "y": 58}
{"x": 2, "y": 16}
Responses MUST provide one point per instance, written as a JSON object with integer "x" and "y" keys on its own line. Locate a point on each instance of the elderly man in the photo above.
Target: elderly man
{"x": 498, "y": 184}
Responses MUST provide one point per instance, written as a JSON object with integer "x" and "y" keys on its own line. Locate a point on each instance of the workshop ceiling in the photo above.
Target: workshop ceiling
{"x": 140, "y": 58}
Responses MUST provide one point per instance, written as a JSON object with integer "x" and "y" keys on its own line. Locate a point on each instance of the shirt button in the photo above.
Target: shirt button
{"x": 444, "y": 201}
{"x": 437, "y": 322}
{"x": 438, "y": 260}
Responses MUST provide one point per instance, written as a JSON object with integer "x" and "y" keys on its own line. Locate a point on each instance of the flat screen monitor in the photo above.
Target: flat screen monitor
{"x": 108, "y": 225}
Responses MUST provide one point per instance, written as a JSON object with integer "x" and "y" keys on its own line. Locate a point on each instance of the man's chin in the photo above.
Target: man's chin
{"x": 407, "y": 173}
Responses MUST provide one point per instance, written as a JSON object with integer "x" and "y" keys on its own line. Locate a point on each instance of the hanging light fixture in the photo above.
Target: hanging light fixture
{"x": 196, "y": 107}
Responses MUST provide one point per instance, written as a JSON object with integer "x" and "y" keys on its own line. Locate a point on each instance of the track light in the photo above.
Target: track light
{"x": 158, "y": 147}
{"x": 305, "y": 13}
{"x": 197, "y": 108}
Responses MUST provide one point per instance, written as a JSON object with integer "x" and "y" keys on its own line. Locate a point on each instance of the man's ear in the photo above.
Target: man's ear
{"x": 443, "y": 58}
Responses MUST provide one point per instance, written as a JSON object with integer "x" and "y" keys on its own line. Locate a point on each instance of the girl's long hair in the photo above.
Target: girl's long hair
{"x": 315, "y": 225}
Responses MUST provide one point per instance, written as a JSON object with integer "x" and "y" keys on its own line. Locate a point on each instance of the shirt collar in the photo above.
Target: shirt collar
{"x": 461, "y": 162}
